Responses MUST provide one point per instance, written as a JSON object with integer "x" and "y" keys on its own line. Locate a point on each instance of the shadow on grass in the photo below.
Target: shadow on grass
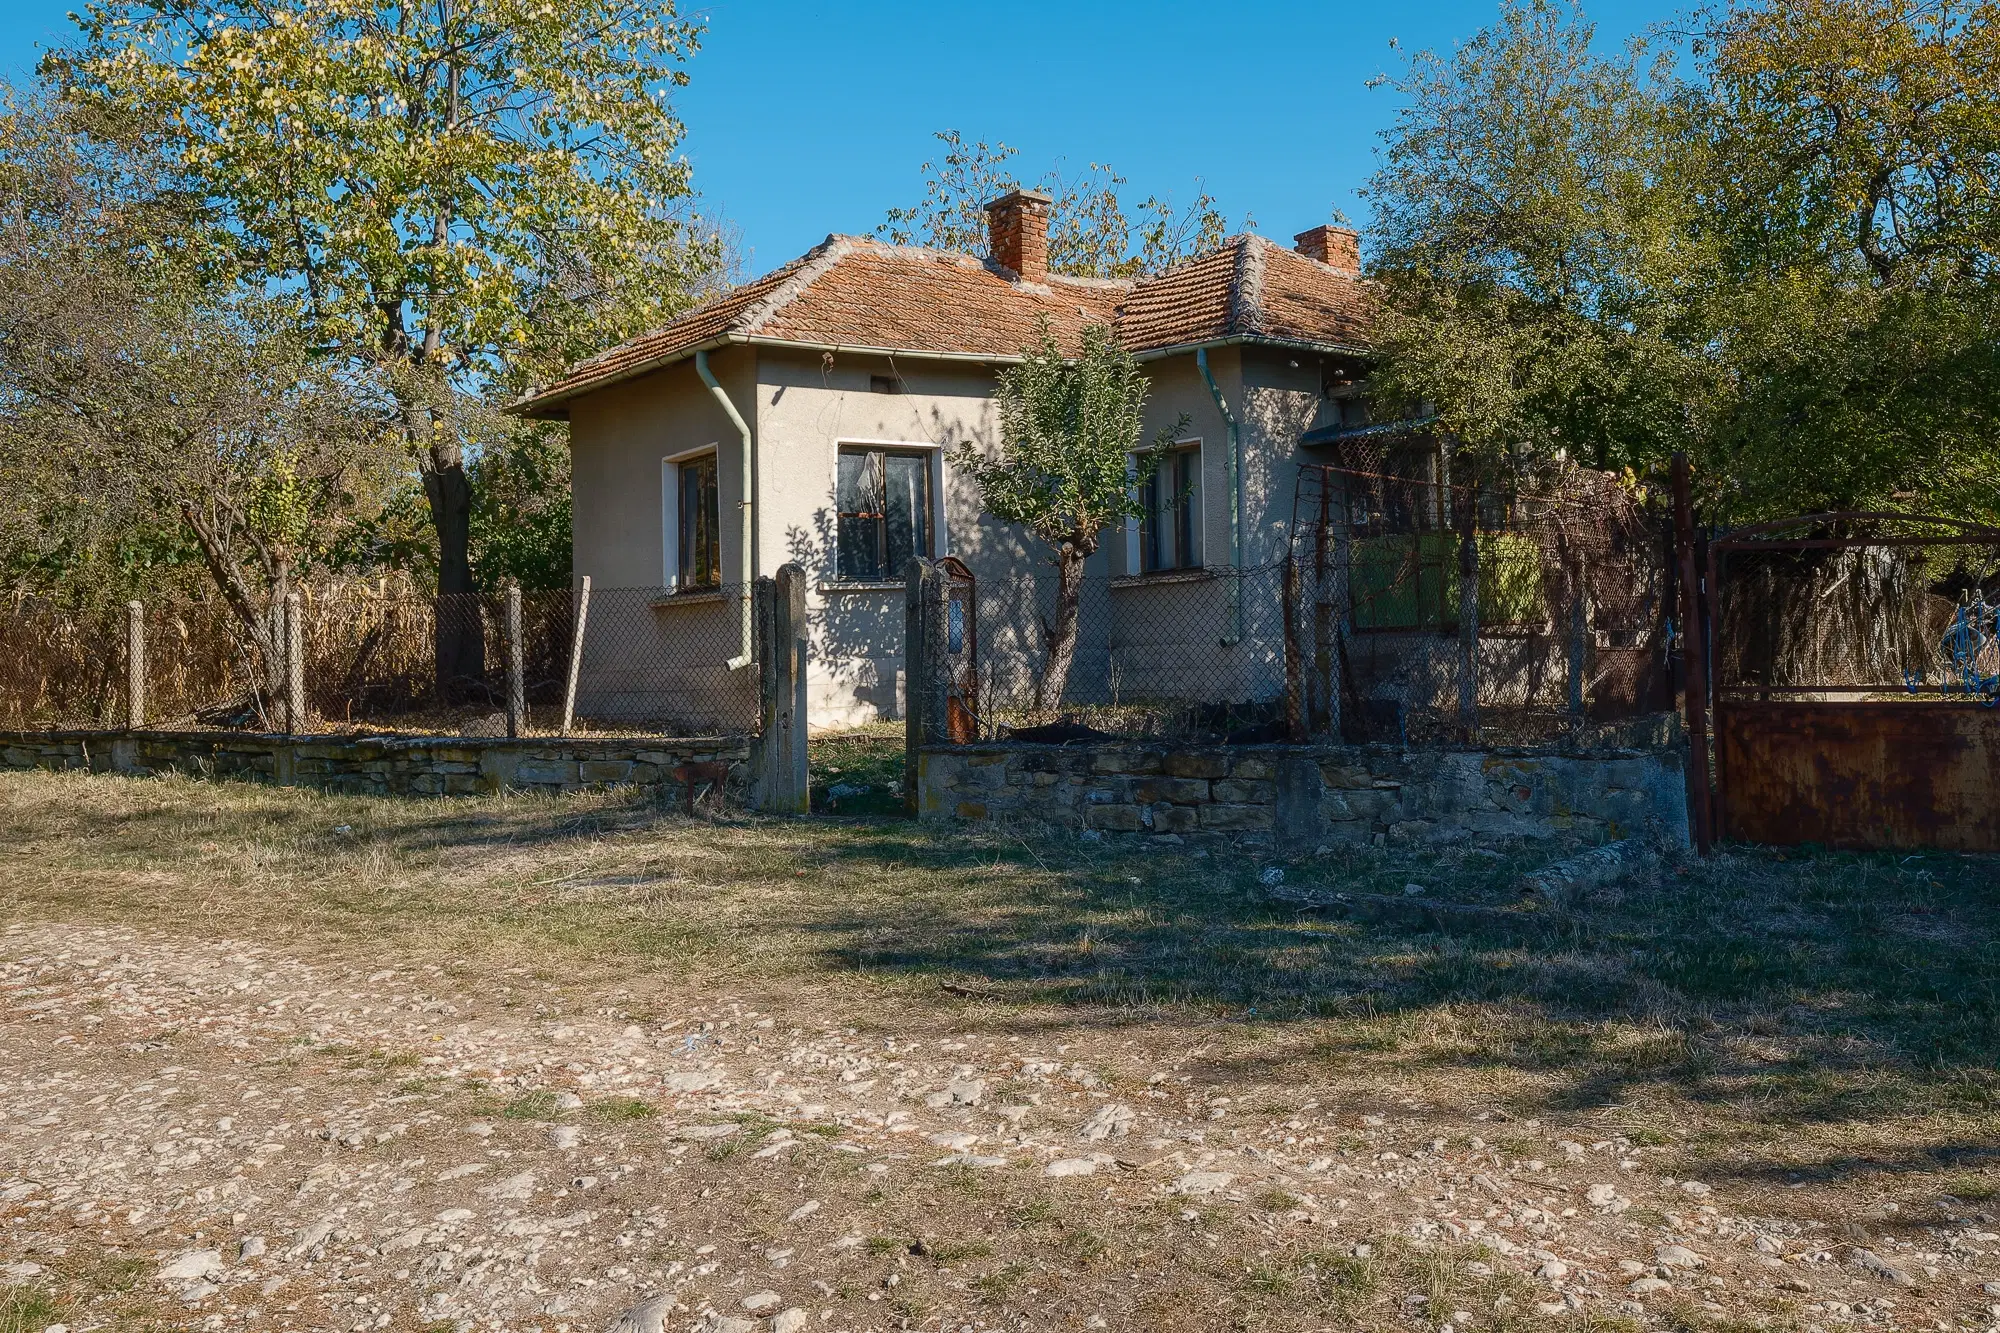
{"x": 1802, "y": 991}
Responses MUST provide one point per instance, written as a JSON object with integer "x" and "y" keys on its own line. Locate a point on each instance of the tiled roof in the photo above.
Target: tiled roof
{"x": 859, "y": 293}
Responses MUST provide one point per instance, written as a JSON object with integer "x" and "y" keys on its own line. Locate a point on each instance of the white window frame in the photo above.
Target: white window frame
{"x": 934, "y": 456}
{"x": 670, "y": 509}
{"x": 1134, "y": 557}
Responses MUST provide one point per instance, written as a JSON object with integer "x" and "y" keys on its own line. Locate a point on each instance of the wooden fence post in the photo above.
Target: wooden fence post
{"x": 576, "y": 654}
{"x": 783, "y": 776}
{"x": 1694, "y": 664}
{"x": 517, "y": 688}
{"x": 295, "y": 665}
{"x": 135, "y": 665}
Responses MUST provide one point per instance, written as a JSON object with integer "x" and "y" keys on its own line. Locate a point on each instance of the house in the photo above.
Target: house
{"x": 809, "y": 416}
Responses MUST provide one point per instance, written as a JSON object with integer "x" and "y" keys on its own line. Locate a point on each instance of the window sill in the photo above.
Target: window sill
{"x": 693, "y": 597}
{"x": 836, "y": 587}
{"x": 1162, "y": 576}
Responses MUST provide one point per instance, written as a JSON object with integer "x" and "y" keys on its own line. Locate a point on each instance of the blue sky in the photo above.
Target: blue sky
{"x": 806, "y": 118}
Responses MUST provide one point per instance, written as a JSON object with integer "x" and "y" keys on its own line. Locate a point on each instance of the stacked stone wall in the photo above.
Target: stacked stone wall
{"x": 1309, "y": 796}
{"x": 386, "y": 766}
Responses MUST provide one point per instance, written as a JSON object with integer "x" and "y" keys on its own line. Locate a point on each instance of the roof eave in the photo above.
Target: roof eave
{"x": 554, "y": 406}
{"x": 1257, "y": 340}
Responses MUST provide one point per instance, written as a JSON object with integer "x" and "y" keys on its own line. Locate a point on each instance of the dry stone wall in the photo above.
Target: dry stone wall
{"x": 1309, "y": 796}
{"x": 388, "y": 766}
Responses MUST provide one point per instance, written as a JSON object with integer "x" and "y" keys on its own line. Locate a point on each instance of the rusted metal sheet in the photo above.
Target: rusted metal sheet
{"x": 1916, "y": 773}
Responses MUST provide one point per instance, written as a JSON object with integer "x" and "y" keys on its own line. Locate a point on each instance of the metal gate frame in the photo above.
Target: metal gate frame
{"x": 1793, "y": 765}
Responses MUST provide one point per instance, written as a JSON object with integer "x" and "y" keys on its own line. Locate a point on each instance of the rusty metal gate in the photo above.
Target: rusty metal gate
{"x": 961, "y": 651}
{"x": 1855, "y": 668}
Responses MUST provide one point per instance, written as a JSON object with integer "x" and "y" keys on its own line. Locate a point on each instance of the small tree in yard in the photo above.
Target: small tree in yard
{"x": 1067, "y": 467}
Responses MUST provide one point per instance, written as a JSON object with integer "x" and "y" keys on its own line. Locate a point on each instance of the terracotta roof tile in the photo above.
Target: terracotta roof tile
{"x": 856, "y": 292}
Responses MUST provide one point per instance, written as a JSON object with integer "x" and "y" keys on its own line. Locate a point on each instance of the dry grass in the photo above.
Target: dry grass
{"x": 1829, "y": 1023}
{"x": 1754, "y": 999}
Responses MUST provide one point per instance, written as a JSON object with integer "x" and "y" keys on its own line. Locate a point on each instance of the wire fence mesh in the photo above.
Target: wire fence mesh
{"x": 1397, "y": 616}
{"x": 380, "y": 657}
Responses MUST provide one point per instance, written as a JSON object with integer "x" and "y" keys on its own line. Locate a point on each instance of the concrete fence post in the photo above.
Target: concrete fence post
{"x": 517, "y": 688}
{"x": 295, "y": 665}
{"x": 781, "y": 782}
{"x": 576, "y": 654}
{"x": 135, "y": 665}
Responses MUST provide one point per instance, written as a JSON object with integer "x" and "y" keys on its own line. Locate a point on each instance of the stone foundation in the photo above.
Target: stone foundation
{"x": 380, "y": 765}
{"x": 1301, "y": 797}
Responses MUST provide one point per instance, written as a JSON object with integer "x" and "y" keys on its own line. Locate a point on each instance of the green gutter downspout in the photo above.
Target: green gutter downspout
{"x": 1235, "y": 635}
{"x": 743, "y": 659}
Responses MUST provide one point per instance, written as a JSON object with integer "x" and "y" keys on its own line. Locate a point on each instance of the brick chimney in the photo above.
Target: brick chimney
{"x": 1337, "y": 247}
{"x": 1018, "y": 233}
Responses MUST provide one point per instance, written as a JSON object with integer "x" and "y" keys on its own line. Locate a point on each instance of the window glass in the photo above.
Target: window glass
{"x": 700, "y": 555}
{"x": 1167, "y": 530}
{"x": 883, "y": 506}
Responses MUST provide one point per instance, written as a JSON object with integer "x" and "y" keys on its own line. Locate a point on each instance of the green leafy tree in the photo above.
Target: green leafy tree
{"x": 140, "y": 386}
{"x": 1090, "y": 233}
{"x": 1854, "y": 199}
{"x": 461, "y": 195}
{"x": 1534, "y": 209}
{"x": 1070, "y": 465}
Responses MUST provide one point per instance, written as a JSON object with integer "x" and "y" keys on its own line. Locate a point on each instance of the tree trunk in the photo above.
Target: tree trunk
{"x": 460, "y": 634}
{"x": 1061, "y": 630}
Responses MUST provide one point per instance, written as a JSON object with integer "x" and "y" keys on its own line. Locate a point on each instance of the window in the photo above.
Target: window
{"x": 1167, "y": 534}
{"x": 884, "y": 507}
{"x": 697, "y": 511}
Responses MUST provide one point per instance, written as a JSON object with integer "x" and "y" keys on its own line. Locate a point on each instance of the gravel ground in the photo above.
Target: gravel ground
{"x": 218, "y": 1134}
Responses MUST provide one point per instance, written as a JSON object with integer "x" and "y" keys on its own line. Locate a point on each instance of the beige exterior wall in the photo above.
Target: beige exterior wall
{"x": 647, "y": 657}
{"x": 1153, "y": 636}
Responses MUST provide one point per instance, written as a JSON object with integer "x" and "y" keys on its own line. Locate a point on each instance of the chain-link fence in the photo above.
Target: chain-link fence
{"x": 1405, "y": 612}
{"x": 380, "y": 657}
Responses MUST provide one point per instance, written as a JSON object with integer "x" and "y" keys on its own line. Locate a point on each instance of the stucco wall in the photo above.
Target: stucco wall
{"x": 665, "y": 665}
{"x": 447, "y": 766}
{"x": 1309, "y": 796}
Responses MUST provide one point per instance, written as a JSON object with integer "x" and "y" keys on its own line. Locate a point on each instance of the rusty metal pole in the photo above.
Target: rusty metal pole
{"x": 1694, "y": 665}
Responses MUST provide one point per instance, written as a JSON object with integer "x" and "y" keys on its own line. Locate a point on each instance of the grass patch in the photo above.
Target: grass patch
{"x": 615, "y": 1109}
{"x": 540, "y": 1104}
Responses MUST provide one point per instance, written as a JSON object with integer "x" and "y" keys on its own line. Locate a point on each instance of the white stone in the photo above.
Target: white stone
{"x": 1696, "y": 1188}
{"x": 694, "y": 1080}
{"x": 1071, "y": 1166}
{"x": 1204, "y": 1182}
{"x": 803, "y": 1211}
{"x": 1555, "y": 1270}
{"x": 1114, "y": 1119}
{"x": 956, "y": 1140}
{"x": 568, "y": 1101}
{"x": 252, "y": 1247}
{"x": 788, "y": 1321}
{"x": 1676, "y": 1256}
{"x": 1601, "y": 1196}
{"x": 193, "y": 1266}
{"x": 762, "y": 1302}
{"x": 1647, "y": 1286}
{"x": 21, "y": 1272}
{"x": 648, "y": 1316}
{"x": 966, "y": 1091}
{"x": 565, "y": 1137}
{"x": 520, "y": 1186}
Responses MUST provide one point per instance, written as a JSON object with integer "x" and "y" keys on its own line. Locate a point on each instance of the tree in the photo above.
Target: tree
{"x": 141, "y": 386}
{"x": 1090, "y": 235}
{"x": 1071, "y": 464}
{"x": 1534, "y": 209}
{"x": 461, "y": 195}
{"x": 1854, "y": 197}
